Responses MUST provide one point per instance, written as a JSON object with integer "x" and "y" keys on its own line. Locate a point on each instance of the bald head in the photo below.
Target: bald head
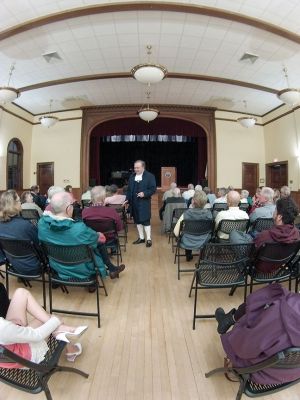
{"x": 60, "y": 202}
{"x": 233, "y": 198}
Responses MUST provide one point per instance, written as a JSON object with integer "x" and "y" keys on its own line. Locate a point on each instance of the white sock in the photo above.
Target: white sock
{"x": 148, "y": 231}
{"x": 141, "y": 231}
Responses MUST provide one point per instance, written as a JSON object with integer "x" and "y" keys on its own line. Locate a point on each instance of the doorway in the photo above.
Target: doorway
{"x": 250, "y": 177}
{"x": 45, "y": 176}
{"x": 277, "y": 174}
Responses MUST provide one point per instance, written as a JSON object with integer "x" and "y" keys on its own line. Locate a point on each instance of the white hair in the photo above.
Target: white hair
{"x": 173, "y": 185}
{"x": 98, "y": 194}
{"x": 54, "y": 189}
{"x": 176, "y": 192}
{"x": 198, "y": 188}
{"x": 268, "y": 193}
{"x": 60, "y": 201}
{"x": 244, "y": 194}
{"x": 190, "y": 186}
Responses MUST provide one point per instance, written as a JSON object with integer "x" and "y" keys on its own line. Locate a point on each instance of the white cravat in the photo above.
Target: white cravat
{"x": 138, "y": 178}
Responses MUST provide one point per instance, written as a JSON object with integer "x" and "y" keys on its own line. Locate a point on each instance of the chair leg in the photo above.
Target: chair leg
{"x": 50, "y": 293}
{"x": 178, "y": 264}
{"x": 47, "y": 392}
{"x": 195, "y": 302}
{"x": 44, "y": 291}
{"x": 251, "y": 284}
{"x": 194, "y": 277}
{"x": 103, "y": 285}
{"x": 98, "y": 305}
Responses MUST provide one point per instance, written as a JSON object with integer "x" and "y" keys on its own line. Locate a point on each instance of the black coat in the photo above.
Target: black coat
{"x": 141, "y": 206}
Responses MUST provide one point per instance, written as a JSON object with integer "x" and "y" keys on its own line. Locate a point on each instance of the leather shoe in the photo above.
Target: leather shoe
{"x": 149, "y": 243}
{"x": 138, "y": 241}
{"x": 115, "y": 274}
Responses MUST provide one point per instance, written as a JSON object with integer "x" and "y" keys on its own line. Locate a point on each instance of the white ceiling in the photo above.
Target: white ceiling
{"x": 184, "y": 43}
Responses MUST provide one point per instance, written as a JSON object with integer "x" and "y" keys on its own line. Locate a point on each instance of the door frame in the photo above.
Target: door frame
{"x": 257, "y": 173}
{"x": 268, "y": 171}
{"x": 37, "y": 168}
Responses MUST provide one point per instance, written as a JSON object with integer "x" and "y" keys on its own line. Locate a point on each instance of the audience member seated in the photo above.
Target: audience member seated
{"x": 283, "y": 230}
{"x": 266, "y": 206}
{"x": 255, "y": 200}
{"x": 76, "y": 206}
{"x": 233, "y": 212}
{"x": 197, "y": 189}
{"x": 166, "y": 212}
{"x": 13, "y": 226}
{"x": 211, "y": 197}
{"x": 285, "y": 191}
{"x": 244, "y": 196}
{"x": 87, "y": 194}
{"x": 27, "y": 337}
{"x": 37, "y": 197}
{"x": 28, "y": 204}
{"x": 196, "y": 213}
{"x": 115, "y": 198}
{"x": 276, "y": 195}
{"x": 169, "y": 193}
{"x": 221, "y": 196}
{"x": 51, "y": 191}
{"x": 188, "y": 193}
{"x": 99, "y": 211}
{"x": 59, "y": 228}
{"x": 267, "y": 323}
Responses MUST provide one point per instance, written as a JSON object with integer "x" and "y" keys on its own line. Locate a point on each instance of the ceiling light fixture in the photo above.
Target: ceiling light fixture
{"x": 48, "y": 120}
{"x": 148, "y": 72}
{"x": 7, "y": 93}
{"x": 247, "y": 122}
{"x": 146, "y": 113}
{"x": 289, "y": 96}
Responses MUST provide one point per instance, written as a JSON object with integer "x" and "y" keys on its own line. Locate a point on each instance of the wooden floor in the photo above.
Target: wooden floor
{"x": 146, "y": 348}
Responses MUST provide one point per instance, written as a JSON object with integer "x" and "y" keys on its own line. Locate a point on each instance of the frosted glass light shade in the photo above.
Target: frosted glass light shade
{"x": 149, "y": 73}
{"x": 148, "y": 114}
{"x": 290, "y": 97}
{"x": 48, "y": 120}
{"x": 247, "y": 122}
{"x": 8, "y": 94}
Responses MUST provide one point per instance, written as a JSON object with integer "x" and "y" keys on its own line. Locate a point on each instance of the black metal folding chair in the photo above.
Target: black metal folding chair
{"x": 107, "y": 226}
{"x": 18, "y": 249}
{"x": 197, "y": 229}
{"x": 33, "y": 378}
{"x": 217, "y": 207}
{"x": 85, "y": 203}
{"x": 286, "y": 359}
{"x": 31, "y": 215}
{"x": 261, "y": 224}
{"x": 228, "y": 225}
{"x": 69, "y": 256}
{"x": 221, "y": 266}
{"x": 282, "y": 256}
{"x": 177, "y": 213}
{"x": 123, "y": 233}
{"x": 244, "y": 207}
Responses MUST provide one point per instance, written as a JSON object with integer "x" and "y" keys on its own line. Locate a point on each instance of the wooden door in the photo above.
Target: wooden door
{"x": 277, "y": 174}
{"x": 45, "y": 176}
{"x": 250, "y": 177}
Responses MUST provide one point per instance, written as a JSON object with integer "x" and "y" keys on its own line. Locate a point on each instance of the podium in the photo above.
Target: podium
{"x": 168, "y": 175}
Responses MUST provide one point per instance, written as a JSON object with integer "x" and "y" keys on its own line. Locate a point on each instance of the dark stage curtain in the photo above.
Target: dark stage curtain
{"x": 189, "y": 157}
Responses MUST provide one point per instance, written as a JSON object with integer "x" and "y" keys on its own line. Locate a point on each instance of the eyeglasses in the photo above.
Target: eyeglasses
{"x": 69, "y": 205}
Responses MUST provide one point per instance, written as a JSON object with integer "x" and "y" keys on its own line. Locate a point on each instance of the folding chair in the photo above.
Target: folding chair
{"x": 217, "y": 207}
{"x": 31, "y": 215}
{"x": 228, "y": 225}
{"x": 123, "y": 232}
{"x": 177, "y": 213}
{"x": 281, "y": 255}
{"x": 69, "y": 256}
{"x": 286, "y": 359}
{"x": 197, "y": 230}
{"x": 34, "y": 377}
{"x": 18, "y": 249}
{"x": 85, "y": 203}
{"x": 244, "y": 207}
{"x": 107, "y": 226}
{"x": 261, "y": 224}
{"x": 221, "y": 266}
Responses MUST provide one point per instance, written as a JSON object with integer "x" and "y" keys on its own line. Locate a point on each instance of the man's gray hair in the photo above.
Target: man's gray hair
{"x": 173, "y": 185}
{"x": 54, "y": 189}
{"x": 222, "y": 191}
{"x": 285, "y": 191}
{"x": 190, "y": 186}
{"x": 176, "y": 192}
{"x": 60, "y": 201}
{"x": 142, "y": 162}
{"x": 244, "y": 194}
{"x": 198, "y": 187}
{"x": 98, "y": 194}
{"x": 268, "y": 193}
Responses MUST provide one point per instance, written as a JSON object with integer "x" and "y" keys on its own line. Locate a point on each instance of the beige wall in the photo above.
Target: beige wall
{"x": 12, "y": 127}
{"x": 236, "y": 145}
{"x": 282, "y": 143}
{"x": 59, "y": 144}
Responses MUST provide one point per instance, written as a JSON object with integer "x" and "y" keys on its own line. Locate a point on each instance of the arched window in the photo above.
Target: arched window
{"x": 14, "y": 169}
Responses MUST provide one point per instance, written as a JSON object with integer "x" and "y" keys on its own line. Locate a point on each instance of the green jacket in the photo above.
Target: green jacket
{"x": 64, "y": 231}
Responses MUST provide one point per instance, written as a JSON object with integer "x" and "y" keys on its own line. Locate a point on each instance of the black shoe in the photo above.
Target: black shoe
{"x": 149, "y": 243}
{"x": 189, "y": 257}
{"x": 115, "y": 273}
{"x": 138, "y": 241}
{"x": 225, "y": 321}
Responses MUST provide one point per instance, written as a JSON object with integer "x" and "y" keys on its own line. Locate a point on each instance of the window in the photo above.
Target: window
{"x": 14, "y": 165}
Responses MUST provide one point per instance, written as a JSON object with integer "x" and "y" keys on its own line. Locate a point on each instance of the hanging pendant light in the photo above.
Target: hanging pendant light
{"x": 149, "y": 73}
{"x": 7, "y": 93}
{"x": 48, "y": 120}
{"x": 246, "y": 121}
{"x": 289, "y": 96}
{"x": 148, "y": 113}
